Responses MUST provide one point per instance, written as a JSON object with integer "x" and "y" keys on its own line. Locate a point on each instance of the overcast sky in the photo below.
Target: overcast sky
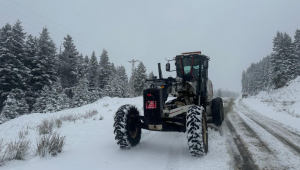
{"x": 232, "y": 33}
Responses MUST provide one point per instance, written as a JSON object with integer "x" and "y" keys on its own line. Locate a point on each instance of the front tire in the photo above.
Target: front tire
{"x": 127, "y": 126}
{"x": 196, "y": 128}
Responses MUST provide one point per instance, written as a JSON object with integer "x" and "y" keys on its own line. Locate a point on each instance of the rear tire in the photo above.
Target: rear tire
{"x": 217, "y": 111}
{"x": 127, "y": 126}
{"x": 196, "y": 127}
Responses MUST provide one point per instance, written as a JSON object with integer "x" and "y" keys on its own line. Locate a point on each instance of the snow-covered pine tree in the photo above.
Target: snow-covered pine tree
{"x": 290, "y": 71}
{"x": 123, "y": 82}
{"x": 139, "y": 76}
{"x": 258, "y": 77}
{"x": 297, "y": 51}
{"x": 112, "y": 87}
{"x": 18, "y": 42}
{"x": 30, "y": 51}
{"x": 81, "y": 93}
{"x": 271, "y": 71}
{"x": 51, "y": 99}
{"x": 81, "y": 67}
{"x": 251, "y": 81}
{"x": 243, "y": 81}
{"x": 86, "y": 65}
{"x": 68, "y": 64}
{"x": 93, "y": 72}
{"x": 278, "y": 61}
{"x": 15, "y": 105}
{"x": 13, "y": 72}
{"x": 265, "y": 73}
{"x": 105, "y": 70}
{"x": 44, "y": 69}
{"x": 41, "y": 101}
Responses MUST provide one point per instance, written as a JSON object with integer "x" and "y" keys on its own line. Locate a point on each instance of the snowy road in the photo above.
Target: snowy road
{"x": 261, "y": 142}
{"x": 247, "y": 139}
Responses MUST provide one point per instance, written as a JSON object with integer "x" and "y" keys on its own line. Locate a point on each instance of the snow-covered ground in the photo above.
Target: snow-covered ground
{"x": 259, "y": 132}
{"x": 90, "y": 144}
{"x": 282, "y": 105}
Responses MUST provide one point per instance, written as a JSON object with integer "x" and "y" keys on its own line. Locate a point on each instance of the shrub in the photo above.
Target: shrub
{"x": 69, "y": 117}
{"x": 50, "y": 144}
{"x": 22, "y": 134}
{"x": 17, "y": 149}
{"x": 58, "y": 122}
{"x": 90, "y": 114}
{"x": 45, "y": 127}
{"x": 2, "y": 153}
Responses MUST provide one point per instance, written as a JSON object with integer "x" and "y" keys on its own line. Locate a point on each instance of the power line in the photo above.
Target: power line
{"x": 40, "y": 28}
{"x": 39, "y": 22}
{"x": 50, "y": 27}
{"x": 54, "y": 22}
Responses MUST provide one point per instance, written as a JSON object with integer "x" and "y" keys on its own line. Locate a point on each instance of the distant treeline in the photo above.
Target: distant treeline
{"x": 225, "y": 93}
{"x": 36, "y": 77}
{"x": 276, "y": 69}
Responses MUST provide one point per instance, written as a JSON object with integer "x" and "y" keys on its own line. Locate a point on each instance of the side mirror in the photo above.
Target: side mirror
{"x": 168, "y": 67}
{"x": 206, "y": 64}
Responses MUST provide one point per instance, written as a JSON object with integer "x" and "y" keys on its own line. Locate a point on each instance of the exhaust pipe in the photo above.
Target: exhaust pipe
{"x": 159, "y": 71}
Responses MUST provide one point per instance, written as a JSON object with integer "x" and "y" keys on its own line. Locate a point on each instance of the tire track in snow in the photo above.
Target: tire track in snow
{"x": 254, "y": 151}
{"x": 279, "y": 132}
{"x": 241, "y": 158}
{"x": 175, "y": 153}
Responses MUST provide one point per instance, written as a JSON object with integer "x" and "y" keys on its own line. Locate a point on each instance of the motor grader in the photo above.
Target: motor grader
{"x": 191, "y": 111}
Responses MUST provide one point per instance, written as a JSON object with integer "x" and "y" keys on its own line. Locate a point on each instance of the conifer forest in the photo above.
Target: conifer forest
{"x": 276, "y": 69}
{"x": 39, "y": 76}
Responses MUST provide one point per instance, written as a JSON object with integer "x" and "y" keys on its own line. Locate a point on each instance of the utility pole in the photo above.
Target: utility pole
{"x": 132, "y": 67}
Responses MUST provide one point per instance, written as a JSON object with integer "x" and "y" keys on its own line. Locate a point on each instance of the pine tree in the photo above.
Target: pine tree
{"x": 51, "y": 99}
{"x": 82, "y": 95}
{"x": 123, "y": 82}
{"x": 86, "y": 65}
{"x": 93, "y": 72}
{"x": 278, "y": 61}
{"x": 139, "y": 76}
{"x": 68, "y": 64}
{"x": 290, "y": 71}
{"x": 41, "y": 101}
{"x": 296, "y": 50}
{"x": 44, "y": 69}
{"x": 13, "y": 72}
{"x": 81, "y": 67}
{"x": 15, "y": 105}
{"x": 243, "y": 81}
{"x": 105, "y": 69}
{"x": 30, "y": 51}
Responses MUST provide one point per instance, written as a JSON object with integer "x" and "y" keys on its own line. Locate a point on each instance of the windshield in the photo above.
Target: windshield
{"x": 187, "y": 63}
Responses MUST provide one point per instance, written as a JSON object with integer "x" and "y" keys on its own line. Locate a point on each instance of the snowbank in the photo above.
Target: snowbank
{"x": 90, "y": 143}
{"x": 282, "y": 105}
